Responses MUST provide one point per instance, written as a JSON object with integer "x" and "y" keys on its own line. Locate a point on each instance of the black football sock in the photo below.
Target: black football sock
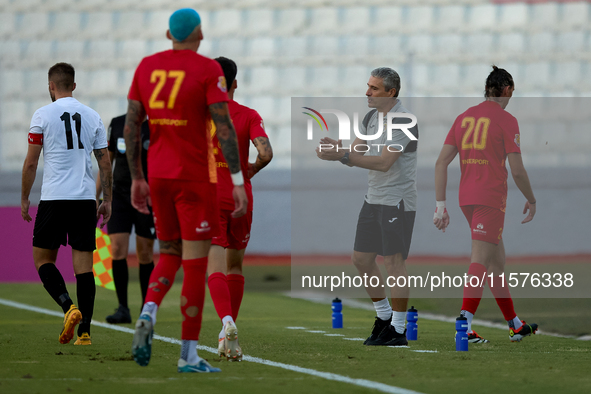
{"x": 121, "y": 279}
{"x": 85, "y": 292}
{"x": 53, "y": 281}
{"x": 145, "y": 272}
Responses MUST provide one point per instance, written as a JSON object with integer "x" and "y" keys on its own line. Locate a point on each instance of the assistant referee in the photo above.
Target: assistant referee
{"x": 124, "y": 217}
{"x": 387, "y": 217}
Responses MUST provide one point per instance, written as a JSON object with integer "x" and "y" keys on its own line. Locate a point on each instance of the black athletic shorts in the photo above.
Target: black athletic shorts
{"x": 124, "y": 216}
{"x": 66, "y": 221}
{"x": 384, "y": 229}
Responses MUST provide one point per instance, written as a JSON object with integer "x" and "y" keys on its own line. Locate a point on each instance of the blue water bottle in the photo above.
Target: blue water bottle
{"x": 412, "y": 329}
{"x": 461, "y": 334}
{"x": 337, "y": 315}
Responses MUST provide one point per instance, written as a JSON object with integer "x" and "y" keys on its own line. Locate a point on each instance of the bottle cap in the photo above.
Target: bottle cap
{"x": 461, "y": 318}
{"x": 336, "y": 300}
{"x": 412, "y": 309}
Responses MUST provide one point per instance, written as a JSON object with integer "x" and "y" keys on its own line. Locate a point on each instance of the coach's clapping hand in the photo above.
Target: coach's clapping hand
{"x": 25, "y": 210}
{"x": 327, "y": 150}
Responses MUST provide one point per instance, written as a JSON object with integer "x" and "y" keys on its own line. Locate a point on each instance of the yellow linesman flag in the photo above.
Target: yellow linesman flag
{"x": 102, "y": 262}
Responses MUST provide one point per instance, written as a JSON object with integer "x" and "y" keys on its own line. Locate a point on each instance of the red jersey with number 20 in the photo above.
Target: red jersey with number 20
{"x": 176, "y": 88}
{"x": 484, "y": 135}
{"x": 249, "y": 125}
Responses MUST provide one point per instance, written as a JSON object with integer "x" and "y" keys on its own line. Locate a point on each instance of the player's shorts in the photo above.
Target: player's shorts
{"x": 486, "y": 223}
{"x": 124, "y": 216}
{"x": 385, "y": 230}
{"x": 66, "y": 221}
{"x": 184, "y": 209}
{"x": 234, "y": 232}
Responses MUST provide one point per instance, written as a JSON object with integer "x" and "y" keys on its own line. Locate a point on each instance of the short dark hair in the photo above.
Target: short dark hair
{"x": 390, "y": 78}
{"x": 229, "y": 68}
{"x": 496, "y": 81}
{"x": 62, "y": 74}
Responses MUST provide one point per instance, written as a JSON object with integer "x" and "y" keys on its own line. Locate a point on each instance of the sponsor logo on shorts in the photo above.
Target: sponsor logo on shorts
{"x": 204, "y": 227}
{"x": 479, "y": 229}
{"x": 245, "y": 240}
{"x": 392, "y": 220}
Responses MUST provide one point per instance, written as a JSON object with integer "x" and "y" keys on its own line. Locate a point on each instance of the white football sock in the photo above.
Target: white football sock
{"x": 516, "y": 323}
{"x": 383, "y": 309}
{"x": 227, "y": 319}
{"x": 189, "y": 351}
{"x": 469, "y": 316}
{"x": 151, "y": 309}
{"x": 398, "y": 321}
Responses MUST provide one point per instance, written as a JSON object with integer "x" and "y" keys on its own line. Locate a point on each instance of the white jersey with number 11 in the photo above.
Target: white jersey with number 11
{"x": 69, "y": 131}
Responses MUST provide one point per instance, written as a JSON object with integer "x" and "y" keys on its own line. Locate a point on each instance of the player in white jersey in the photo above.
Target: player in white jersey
{"x": 68, "y": 132}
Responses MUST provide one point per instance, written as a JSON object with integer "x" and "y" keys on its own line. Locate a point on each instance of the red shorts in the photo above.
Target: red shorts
{"x": 184, "y": 209}
{"x": 234, "y": 233}
{"x": 486, "y": 223}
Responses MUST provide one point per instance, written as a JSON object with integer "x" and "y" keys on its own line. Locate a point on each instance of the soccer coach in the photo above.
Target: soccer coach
{"x": 387, "y": 217}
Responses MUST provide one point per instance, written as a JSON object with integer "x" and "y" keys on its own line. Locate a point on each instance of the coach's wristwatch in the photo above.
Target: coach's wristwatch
{"x": 345, "y": 158}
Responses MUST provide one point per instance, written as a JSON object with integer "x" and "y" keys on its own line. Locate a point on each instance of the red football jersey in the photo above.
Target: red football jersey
{"x": 249, "y": 125}
{"x": 484, "y": 135}
{"x": 176, "y": 88}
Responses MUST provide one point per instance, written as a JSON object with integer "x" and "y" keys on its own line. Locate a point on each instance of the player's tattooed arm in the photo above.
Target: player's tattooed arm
{"x": 226, "y": 135}
{"x": 105, "y": 174}
{"x": 264, "y": 157}
{"x": 132, "y": 133}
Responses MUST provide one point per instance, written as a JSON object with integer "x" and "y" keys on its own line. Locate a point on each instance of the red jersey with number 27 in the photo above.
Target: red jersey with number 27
{"x": 176, "y": 88}
{"x": 249, "y": 125}
{"x": 484, "y": 135}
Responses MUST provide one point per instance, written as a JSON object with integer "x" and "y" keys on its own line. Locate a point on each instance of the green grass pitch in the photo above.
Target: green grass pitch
{"x": 32, "y": 360}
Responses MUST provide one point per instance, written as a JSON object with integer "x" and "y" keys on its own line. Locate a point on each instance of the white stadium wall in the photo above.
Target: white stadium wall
{"x": 307, "y": 48}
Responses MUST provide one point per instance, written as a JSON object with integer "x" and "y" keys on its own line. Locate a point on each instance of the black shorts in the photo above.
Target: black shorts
{"x": 384, "y": 230}
{"x": 124, "y": 216}
{"x": 66, "y": 221}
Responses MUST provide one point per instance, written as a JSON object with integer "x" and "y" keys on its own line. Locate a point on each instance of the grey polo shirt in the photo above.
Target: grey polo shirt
{"x": 399, "y": 182}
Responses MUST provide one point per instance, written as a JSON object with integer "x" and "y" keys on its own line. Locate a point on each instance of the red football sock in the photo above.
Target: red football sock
{"x": 192, "y": 297}
{"x": 500, "y": 290}
{"x": 220, "y": 294}
{"x": 473, "y": 295}
{"x": 162, "y": 277}
{"x": 236, "y": 287}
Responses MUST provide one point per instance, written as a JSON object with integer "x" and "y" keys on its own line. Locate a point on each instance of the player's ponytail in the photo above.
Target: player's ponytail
{"x": 497, "y": 80}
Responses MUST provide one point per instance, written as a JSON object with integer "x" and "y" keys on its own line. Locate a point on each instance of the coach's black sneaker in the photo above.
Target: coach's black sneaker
{"x": 390, "y": 337}
{"x": 120, "y": 316}
{"x": 516, "y": 335}
{"x": 378, "y": 327}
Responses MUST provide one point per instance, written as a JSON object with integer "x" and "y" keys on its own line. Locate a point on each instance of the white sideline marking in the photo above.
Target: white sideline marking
{"x": 325, "y": 375}
{"x": 319, "y": 299}
{"x": 358, "y": 339}
{"x": 316, "y": 331}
